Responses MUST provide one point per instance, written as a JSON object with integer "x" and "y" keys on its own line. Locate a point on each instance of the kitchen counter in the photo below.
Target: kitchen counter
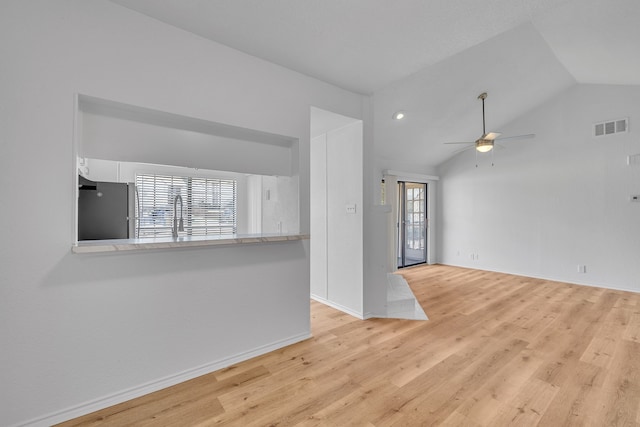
{"x": 119, "y": 245}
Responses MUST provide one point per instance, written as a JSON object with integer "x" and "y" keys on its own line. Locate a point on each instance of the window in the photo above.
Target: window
{"x": 208, "y": 205}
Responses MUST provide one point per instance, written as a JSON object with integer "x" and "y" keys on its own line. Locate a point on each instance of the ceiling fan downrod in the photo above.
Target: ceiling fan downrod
{"x": 483, "y": 96}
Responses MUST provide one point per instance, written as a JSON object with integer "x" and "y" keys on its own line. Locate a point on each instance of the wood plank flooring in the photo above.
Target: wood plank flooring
{"x": 498, "y": 350}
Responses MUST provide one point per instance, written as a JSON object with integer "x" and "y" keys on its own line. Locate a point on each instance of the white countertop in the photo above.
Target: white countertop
{"x": 97, "y": 246}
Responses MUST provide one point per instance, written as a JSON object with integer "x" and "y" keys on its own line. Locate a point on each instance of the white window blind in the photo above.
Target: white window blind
{"x": 208, "y": 205}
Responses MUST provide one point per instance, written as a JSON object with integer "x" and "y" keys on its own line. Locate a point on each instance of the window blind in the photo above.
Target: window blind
{"x": 208, "y": 205}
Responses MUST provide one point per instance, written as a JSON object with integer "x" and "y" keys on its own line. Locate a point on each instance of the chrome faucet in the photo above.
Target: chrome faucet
{"x": 176, "y": 227}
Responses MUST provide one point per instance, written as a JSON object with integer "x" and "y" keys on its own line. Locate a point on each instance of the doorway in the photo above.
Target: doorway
{"x": 336, "y": 211}
{"x": 412, "y": 223}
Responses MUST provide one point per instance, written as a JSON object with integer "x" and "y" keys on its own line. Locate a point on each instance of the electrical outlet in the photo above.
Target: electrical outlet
{"x": 351, "y": 209}
{"x": 582, "y": 268}
{"x": 633, "y": 160}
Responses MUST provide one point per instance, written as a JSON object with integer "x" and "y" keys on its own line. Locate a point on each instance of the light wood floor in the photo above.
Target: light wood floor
{"x": 498, "y": 350}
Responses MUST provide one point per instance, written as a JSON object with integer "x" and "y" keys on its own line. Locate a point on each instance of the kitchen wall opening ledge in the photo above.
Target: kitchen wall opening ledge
{"x": 147, "y": 179}
{"x": 118, "y": 245}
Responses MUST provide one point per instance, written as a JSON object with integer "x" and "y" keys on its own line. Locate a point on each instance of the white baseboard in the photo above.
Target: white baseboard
{"x": 338, "y": 307}
{"x": 570, "y": 281}
{"x": 374, "y": 315}
{"x": 155, "y": 385}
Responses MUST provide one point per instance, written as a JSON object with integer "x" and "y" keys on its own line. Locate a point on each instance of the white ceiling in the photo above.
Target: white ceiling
{"x": 429, "y": 58}
{"x": 441, "y": 101}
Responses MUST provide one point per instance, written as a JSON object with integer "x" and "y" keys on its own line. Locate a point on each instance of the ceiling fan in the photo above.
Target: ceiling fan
{"x": 487, "y": 141}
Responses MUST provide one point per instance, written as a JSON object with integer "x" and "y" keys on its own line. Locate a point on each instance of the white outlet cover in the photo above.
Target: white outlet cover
{"x": 633, "y": 160}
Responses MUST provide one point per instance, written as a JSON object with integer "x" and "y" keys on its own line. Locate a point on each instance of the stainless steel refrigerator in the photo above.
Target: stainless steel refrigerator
{"x": 106, "y": 210}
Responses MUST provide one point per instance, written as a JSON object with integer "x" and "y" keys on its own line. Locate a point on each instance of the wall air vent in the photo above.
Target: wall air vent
{"x": 611, "y": 127}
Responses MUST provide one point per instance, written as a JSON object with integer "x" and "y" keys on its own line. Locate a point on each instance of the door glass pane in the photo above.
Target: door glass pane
{"x": 412, "y": 230}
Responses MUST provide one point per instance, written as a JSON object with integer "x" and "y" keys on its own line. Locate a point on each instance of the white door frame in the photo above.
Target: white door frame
{"x": 391, "y": 179}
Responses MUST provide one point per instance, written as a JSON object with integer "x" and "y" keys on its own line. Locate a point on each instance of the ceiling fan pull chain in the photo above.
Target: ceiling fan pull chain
{"x": 476, "y": 157}
{"x": 492, "y": 157}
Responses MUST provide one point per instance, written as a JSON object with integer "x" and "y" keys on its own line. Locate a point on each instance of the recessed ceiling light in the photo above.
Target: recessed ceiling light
{"x": 399, "y": 115}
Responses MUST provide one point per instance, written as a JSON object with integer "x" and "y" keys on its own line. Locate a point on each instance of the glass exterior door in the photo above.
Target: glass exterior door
{"x": 412, "y": 227}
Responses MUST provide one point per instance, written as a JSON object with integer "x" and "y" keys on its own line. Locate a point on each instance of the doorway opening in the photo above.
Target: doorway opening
{"x": 413, "y": 223}
{"x": 336, "y": 211}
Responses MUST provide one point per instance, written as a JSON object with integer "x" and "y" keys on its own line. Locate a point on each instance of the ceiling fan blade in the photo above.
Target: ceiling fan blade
{"x": 491, "y": 136}
{"x": 466, "y": 142}
{"x": 517, "y": 137}
{"x": 463, "y": 149}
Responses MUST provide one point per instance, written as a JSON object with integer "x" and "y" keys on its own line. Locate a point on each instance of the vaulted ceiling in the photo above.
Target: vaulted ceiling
{"x": 428, "y": 58}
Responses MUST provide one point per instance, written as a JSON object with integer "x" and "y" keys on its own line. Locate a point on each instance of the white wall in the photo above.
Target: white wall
{"x": 319, "y": 248}
{"x": 76, "y": 328}
{"x": 375, "y": 219}
{"x": 554, "y": 202}
{"x": 254, "y": 199}
{"x": 337, "y": 254}
{"x": 344, "y": 187}
{"x": 280, "y": 204}
{"x": 112, "y": 138}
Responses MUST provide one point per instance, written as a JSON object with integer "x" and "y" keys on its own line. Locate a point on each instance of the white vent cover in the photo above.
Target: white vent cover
{"x": 611, "y": 127}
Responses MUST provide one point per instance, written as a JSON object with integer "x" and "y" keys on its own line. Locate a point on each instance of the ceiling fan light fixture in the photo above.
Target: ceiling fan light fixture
{"x": 398, "y": 115}
{"x": 486, "y": 142}
{"x": 484, "y": 145}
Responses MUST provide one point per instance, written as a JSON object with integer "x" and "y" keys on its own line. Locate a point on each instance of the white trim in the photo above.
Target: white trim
{"x": 338, "y": 307}
{"x": 408, "y": 176}
{"x": 372, "y": 315}
{"x": 155, "y": 385}
{"x": 75, "y": 142}
{"x": 431, "y": 214}
{"x": 391, "y": 191}
{"x": 542, "y": 277}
